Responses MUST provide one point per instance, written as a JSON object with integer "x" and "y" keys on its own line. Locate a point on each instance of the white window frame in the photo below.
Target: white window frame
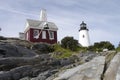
{"x": 35, "y": 33}
{"x": 51, "y": 35}
{"x": 43, "y": 34}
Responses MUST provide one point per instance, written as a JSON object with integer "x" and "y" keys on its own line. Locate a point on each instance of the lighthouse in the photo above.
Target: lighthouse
{"x": 84, "y": 35}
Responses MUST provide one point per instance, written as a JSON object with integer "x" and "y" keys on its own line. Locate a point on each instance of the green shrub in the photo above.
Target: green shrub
{"x": 61, "y": 52}
{"x": 118, "y": 49}
{"x": 69, "y": 43}
{"x": 104, "y": 45}
{"x": 99, "y": 46}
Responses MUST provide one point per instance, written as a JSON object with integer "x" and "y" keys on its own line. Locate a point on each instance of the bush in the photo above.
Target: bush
{"x": 69, "y": 43}
{"x": 118, "y": 49}
{"x": 99, "y": 46}
{"x": 105, "y": 45}
{"x": 61, "y": 52}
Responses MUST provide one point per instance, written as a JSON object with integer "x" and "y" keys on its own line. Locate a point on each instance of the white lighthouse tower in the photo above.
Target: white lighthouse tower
{"x": 83, "y": 35}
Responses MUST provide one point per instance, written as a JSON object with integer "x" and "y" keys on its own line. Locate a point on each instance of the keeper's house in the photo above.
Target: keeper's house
{"x": 40, "y": 30}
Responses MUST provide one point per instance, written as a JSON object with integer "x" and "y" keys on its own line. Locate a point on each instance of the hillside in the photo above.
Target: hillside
{"x": 23, "y": 60}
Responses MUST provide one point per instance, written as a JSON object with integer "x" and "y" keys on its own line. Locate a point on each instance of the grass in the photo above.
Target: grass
{"x": 61, "y": 52}
{"x": 65, "y": 53}
{"x": 118, "y": 49}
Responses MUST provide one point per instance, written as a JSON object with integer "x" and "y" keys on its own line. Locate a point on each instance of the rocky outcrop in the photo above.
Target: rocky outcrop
{"x": 88, "y": 71}
{"x": 10, "y": 50}
{"x": 113, "y": 71}
{"x": 16, "y": 74}
{"x": 23, "y": 60}
{"x": 25, "y": 78}
{"x": 45, "y": 67}
{"x": 45, "y": 75}
{"x": 20, "y": 67}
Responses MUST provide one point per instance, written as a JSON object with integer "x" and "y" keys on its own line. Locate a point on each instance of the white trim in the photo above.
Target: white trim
{"x": 37, "y": 28}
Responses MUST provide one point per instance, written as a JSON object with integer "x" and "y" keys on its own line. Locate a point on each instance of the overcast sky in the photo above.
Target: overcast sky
{"x": 102, "y": 17}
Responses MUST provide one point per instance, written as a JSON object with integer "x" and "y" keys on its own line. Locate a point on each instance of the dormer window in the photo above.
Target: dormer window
{"x": 46, "y": 25}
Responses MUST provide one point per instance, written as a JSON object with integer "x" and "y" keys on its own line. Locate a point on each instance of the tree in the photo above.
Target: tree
{"x": 69, "y": 43}
{"x": 118, "y": 48}
{"x": 99, "y": 46}
{"x": 107, "y": 45}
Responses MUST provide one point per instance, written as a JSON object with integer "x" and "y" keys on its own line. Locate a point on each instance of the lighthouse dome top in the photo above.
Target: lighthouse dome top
{"x": 83, "y": 26}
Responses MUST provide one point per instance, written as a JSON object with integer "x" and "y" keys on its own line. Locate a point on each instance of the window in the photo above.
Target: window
{"x": 35, "y": 33}
{"x": 51, "y": 35}
{"x": 43, "y": 34}
{"x": 83, "y": 36}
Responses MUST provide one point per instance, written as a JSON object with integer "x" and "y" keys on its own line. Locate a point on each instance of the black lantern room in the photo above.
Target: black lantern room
{"x": 83, "y": 26}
